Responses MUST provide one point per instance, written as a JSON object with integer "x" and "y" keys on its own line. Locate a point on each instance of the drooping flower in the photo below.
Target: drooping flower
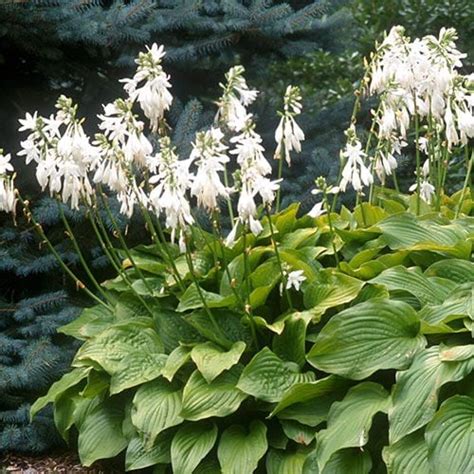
{"x": 294, "y": 280}
{"x": 232, "y": 106}
{"x": 288, "y": 134}
{"x": 427, "y": 190}
{"x": 150, "y": 84}
{"x": 172, "y": 181}
{"x": 8, "y": 197}
{"x": 209, "y": 154}
{"x": 62, "y": 151}
{"x": 354, "y": 172}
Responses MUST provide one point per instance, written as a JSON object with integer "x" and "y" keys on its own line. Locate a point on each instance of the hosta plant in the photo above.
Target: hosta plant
{"x": 338, "y": 341}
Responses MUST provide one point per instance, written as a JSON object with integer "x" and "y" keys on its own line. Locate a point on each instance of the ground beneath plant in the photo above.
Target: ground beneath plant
{"x": 57, "y": 463}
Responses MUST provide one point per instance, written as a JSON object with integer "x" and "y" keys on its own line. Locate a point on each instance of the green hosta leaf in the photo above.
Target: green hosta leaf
{"x": 330, "y": 289}
{"x": 290, "y": 345}
{"x": 137, "y": 368}
{"x": 267, "y": 377}
{"x": 406, "y": 231}
{"x": 350, "y": 420}
{"x": 298, "y": 260}
{"x": 64, "y": 408}
{"x": 267, "y": 274}
{"x": 91, "y": 322}
{"x": 97, "y": 383}
{"x": 285, "y": 221}
{"x": 139, "y": 457}
{"x": 175, "y": 361}
{"x": 460, "y": 303}
{"x": 345, "y": 346}
{"x": 156, "y": 407}
{"x": 117, "y": 343}
{"x": 283, "y": 462}
{"x": 414, "y": 282}
{"x": 219, "y": 398}
{"x": 450, "y": 437}
{"x": 460, "y": 271}
{"x": 148, "y": 262}
{"x": 241, "y": 449}
{"x": 230, "y": 325}
{"x": 415, "y": 395}
{"x": 308, "y": 391}
{"x": 191, "y": 299}
{"x": 345, "y": 461}
{"x": 211, "y": 361}
{"x": 64, "y": 383}
{"x": 173, "y": 329}
{"x": 129, "y": 306}
{"x": 100, "y": 434}
{"x": 300, "y": 238}
{"x": 410, "y": 454}
{"x": 456, "y": 353}
{"x": 190, "y": 446}
{"x": 298, "y": 432}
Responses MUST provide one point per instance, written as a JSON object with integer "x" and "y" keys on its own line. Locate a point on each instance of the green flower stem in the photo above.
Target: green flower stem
{"x": 277, "y": 255}
{"x": 121, "y": 239}
{"x": 67, "y": 270}
{"x": 248, "y": 307}
{"x": 418, "y": 160}
{"x": 189, "y": 260}
{"x": 362, "y": 210}
{"x": 79, "y": 253}
{"x": 467, "y": 183}
{"x": 280, "y": 173}
{"x": 218, "y": 236}
{"x": 331, "y": 228}
{"x": 105, "y": 243}
{"x": 229, "y": 202}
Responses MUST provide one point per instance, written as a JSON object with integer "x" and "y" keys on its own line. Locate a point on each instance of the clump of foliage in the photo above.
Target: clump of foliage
{"x": 298, "y": 339}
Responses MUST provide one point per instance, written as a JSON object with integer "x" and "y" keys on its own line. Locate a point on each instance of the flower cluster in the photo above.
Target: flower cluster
{"x": 419, "y": 82}
{"x": 62, "y": 151}
{"x": 288, "y": 134}
{"x": 7, "y": 188}
{"x": 150, "y": 85}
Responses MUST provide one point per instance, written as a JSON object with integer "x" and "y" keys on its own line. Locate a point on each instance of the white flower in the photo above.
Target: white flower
{"x": 210, "y": 155}
{"x": 233, "y": 102}
{"x": 29, "y": 122}
{"x": 288, "y": 134}
{"x": 172, "y": 181}
{"x": 293, "y": 280}
{"x": 317, "y": 210}
{"x": 8, "y": 197}
{"x": 5, "y": 165}
{"x": 150, "y": 84}
{"x": 451, "y": 132}
{"x": 355, "y": 172}
{"x": 384, "y": 165}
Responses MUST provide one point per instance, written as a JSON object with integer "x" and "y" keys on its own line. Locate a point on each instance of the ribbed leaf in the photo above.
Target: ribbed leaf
{"x": 345, "y": 346}
{"x": 405, "y": 231}
{"x": 117, "y": 343}
{"x": 330, "y": 289}
{"x": 283, "y": 462}
{"x": 345, "y": 461}
{"x": 156, "y": 407}
{"x": 240, "y": 449}
{"x": 100, "y": 435}
{"x": 219, "y": 398}
{"x": 175, "y": 361}
{"x": 64, "y": 383}
{"x": 414, "y": 282}
{"x": 211, "y": 361}
{"x": 450, "y": 437}
{"x": 267, "y": 377}
{"x": 415, "y": 395}
{"x": 91, "y": 322}
{"x": 307, "y": 391}
{"x": 460, "y": 271}
{"x": 137, "y": 368}
{"x": 138, "y": 457}
{"x": 410, "y": 454}
{"x": 190, "y": 446}
{"x": 291, "y": 344}
{"x": 191, "y": 299}
{"x": 350, "y": 420}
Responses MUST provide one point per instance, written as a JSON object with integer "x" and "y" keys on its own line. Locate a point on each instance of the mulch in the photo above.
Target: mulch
{"x": 52, "y": 463}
